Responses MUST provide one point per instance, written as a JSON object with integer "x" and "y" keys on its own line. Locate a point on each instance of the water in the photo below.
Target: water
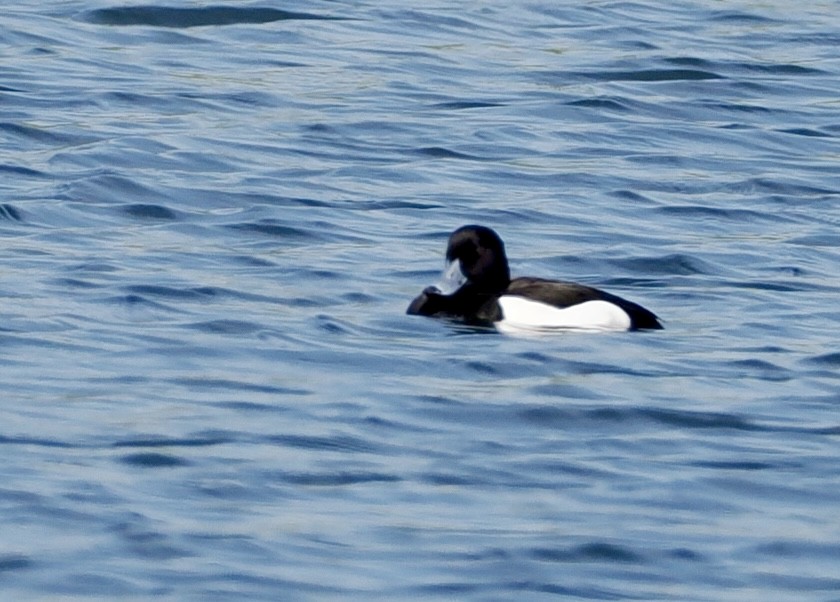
{"x": 214, "y": 217}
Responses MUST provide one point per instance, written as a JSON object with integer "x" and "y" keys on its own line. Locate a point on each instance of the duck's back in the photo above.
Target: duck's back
{"x": 567, "y": 294}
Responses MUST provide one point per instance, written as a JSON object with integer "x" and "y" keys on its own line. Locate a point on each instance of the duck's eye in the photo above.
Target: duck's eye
{"x": 468, "y": 255}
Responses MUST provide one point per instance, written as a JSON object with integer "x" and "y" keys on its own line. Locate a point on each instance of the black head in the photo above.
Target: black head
{"x": 481, "y": 255}
{"x": 476, "y": 272}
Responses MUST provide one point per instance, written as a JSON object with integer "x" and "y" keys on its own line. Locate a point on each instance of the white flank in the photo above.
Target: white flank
{"x": 524, "y": 316}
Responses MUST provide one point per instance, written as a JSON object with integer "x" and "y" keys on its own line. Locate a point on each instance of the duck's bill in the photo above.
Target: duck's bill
{"x": 451, "y": 280}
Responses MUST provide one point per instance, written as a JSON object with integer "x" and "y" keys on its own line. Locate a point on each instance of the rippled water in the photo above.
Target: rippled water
{"x": 214, "y": 217}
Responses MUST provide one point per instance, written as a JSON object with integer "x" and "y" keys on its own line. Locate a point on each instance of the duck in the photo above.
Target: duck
{"x": 476, "y": 288}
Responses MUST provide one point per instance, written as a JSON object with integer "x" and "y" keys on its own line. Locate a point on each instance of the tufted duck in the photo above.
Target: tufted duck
{"x": 476, "y": 287}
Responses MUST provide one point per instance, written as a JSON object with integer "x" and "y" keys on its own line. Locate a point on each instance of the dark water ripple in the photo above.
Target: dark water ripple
{"x": 164, "y": 16}
{"x": 214, "y": 215}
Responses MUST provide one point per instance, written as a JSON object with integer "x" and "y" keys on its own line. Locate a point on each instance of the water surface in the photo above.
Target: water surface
{"x": 214, "y": 217}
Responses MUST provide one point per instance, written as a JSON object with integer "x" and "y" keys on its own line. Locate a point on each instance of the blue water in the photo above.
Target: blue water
{"x": 214, "y": 216}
